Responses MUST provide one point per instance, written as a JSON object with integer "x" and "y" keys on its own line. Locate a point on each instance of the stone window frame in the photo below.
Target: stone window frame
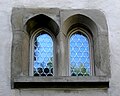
{"x": 94, "y": 20}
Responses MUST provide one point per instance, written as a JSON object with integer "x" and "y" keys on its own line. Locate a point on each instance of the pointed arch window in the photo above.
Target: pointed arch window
{"x": 80, "y": 53}
{"x": 43, "y": 55}
{"x": 43, "y": 31}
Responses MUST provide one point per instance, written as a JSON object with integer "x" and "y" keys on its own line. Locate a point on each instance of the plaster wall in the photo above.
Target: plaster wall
{"x": 110, "y": 8}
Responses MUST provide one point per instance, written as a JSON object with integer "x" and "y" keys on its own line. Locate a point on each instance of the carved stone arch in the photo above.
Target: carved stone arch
{"x": 79, "y": 20}
{"x": 41, "y": 21}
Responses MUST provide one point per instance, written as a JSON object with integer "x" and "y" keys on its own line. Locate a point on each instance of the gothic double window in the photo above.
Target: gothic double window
{"x": 79, "y": 50}
{"x": 56, "y": 45}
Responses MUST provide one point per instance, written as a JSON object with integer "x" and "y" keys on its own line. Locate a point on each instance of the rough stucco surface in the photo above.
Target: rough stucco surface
{"x": 110, "y": 8}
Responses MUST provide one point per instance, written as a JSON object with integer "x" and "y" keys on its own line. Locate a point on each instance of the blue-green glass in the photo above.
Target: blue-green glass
{"x": 79, "y": 55}
{"x": 43, "y": 55}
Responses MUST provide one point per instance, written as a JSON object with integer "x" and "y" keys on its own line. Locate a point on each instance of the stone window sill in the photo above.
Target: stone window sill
{"x": 61, "y": 82}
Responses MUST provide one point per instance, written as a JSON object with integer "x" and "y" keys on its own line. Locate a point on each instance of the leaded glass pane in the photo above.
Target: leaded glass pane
{"x": 43, "y": 55}
{"x": 79, "y": 55}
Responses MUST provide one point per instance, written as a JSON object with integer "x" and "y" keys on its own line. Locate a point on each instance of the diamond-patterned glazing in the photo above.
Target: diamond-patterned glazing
{"x": 79, "y": 55}
{"x": 43, "y": 55}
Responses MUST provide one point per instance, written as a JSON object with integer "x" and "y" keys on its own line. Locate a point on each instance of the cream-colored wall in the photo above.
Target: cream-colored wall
{"x": 110, "y": 8}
